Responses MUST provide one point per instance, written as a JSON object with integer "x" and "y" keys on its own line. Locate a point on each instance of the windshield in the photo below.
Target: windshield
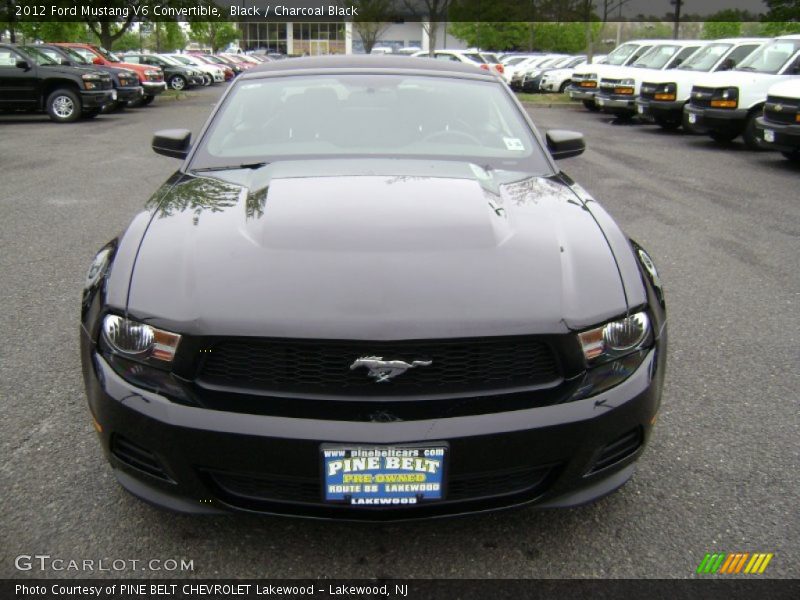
{"x": 182, "y": 60}
{"x": 705, "y": 58}
{"x": 770, "y": 58}
{"x": 76, "y": 56}
{"x": 621, "y": 54}
{"x": 106, "y": 54}
{"x": 55, "y": 55}
{"x": 375, "y": 116}
{"x": 475, "y": 57}
{"x": 39, "y": 57}
{"x": 657, "y": 57}
{"x": 169, "y": 60}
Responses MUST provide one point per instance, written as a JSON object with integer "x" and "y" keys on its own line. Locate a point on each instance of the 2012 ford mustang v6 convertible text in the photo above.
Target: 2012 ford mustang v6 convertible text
{"x": 370, "y": 293}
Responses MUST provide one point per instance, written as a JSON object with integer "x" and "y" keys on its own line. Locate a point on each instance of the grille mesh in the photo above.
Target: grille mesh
{"x": 324, "y": 366}
{"x": 789, "y": 107}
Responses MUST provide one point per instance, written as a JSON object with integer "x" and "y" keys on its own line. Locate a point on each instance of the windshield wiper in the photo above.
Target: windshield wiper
{"x": 257, "y": 165}
{"x": 745, "y": 68}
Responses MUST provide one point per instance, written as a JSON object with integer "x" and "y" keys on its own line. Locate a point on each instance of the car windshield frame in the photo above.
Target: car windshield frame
{"x": 109, "y": 56}
{"x": 748, "y": 63}
{"x": 703, "y": 54}
{"x": 657, "y": 52}
{"x": 532, "y": 157}
{"x": 37, "y": 56}
{"x": 612, "y": 57}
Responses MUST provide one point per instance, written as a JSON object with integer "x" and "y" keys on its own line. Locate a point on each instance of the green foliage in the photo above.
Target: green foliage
{"x": 53, "y": 31}
{"x": 783, "y": 11}
{"x": 714, "y": 30}
{"x": 213, "y": 34}
{"x": 774, "y": 28}
{"x": 556, "y": 37}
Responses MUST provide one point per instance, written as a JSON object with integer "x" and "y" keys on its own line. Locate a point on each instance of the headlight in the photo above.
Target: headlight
{"x": 627, "y": 82}
{"x": 725, "y": 98}
{"x": 139, "y": 340}
{"x": 91, "y": 81}
{"x": 615, "y": 339}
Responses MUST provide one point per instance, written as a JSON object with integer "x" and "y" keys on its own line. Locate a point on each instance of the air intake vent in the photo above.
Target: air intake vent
{"x": 618, "y": 450}
{"x": 137, "y": 457}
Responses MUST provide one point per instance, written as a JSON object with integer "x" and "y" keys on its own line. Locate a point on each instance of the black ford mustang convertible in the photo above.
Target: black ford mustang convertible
{"x": 370, "y": 293}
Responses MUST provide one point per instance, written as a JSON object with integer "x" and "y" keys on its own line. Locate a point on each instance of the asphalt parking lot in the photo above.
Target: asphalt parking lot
{"x": 720, "y": 474}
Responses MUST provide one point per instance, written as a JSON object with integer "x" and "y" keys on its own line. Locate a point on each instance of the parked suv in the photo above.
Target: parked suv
{"x": 779, "y": 127}
{"x": 150, "y": 78}
{"x": 126, "y": 82}
{"x": 662, "y": 98}
{"x": 178, "y": 76}
{"x": 31, "y": 80}
{"x": 726, "y": 105}
{"x": 211, "y": 73}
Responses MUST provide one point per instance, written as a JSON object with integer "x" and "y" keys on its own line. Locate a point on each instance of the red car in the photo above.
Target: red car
{"x": 151, "y": 78}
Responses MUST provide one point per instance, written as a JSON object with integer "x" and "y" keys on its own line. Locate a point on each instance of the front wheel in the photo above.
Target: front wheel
{"x": 147, "y": 100}
{"x": 723, "y": 137}
{"x": 590, "y": 105}
{"x": 793, "y": 156}
{"x": 750, "y": 134}
{"x": 207, "y": 80}
{"x": 563, "y": 87}
{"x": 177, "y": 82}
{"x": 64, "y": 106}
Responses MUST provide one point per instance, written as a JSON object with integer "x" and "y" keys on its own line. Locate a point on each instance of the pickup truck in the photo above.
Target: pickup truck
{"x": 150, "y": 78}
{"x": 30, "y": 80}
{"x": 586, "y": 78}
{"x": 779, "y": 127}
{"x": 126, "y": 82}
{"x": 620, "y": 86}
{"x": 662, "y": 97}
{"x": 726, "y": 105}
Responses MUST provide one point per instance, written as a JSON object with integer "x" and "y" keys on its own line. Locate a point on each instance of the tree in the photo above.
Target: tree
{"x": 607, "y": 9}
{"x": 434, "y": 12}
{"x": 53, "y": 31}
{"x": 494, "y": 36}
{"x": 373, "y": 20}
{"x": 110, "y": 31}
{"x": 722, "y": 25}
{"x": 213, "y": 34}
{"x": 8, "y": 19}
{"x": 782, "y": 11}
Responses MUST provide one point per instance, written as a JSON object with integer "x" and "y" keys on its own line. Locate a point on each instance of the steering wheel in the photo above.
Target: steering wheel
{"x": 436, "y": 135}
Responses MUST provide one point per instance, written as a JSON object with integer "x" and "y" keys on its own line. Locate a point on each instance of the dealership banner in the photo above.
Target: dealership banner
{"x": 340, "y": 589}
{"x": 487, "y": 11}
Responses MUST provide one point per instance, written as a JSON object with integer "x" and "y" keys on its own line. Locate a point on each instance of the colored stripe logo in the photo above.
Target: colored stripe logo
{"x": 734, "y": 563}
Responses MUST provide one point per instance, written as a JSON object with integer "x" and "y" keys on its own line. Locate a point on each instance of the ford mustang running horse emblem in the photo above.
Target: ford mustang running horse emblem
{"x": 384, "y": 370}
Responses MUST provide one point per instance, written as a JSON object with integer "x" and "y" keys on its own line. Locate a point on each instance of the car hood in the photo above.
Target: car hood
{"x": 373, "y": 250}
{"x": 730, "y": 78}
{"x": 70, "y": 70}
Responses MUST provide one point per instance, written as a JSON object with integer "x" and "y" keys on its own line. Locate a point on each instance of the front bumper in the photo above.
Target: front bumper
{"x": 784, "y": 137}
{"x": 154, "y": 88}
{"x": 616, "y": 104}
{"x": 126, "y": 94}
{"x": 195, "y": 80}
{"x": 579, "y": 93}
{"x": 97, "y": 98}
{"x": 702, "y": 120}
{"x": 561, "y": 443}
{"x": 650, "y": 109}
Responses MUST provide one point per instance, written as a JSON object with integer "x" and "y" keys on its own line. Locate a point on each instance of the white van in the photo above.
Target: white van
{"x": 779, "y": 126}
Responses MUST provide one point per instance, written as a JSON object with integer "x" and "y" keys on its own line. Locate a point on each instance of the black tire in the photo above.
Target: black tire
{"x": 177, "y": 83}
{"x": 723, "y": 137}
{"x": 750, "y": 134}
{"x": 590, "y": 105}
{"x": 146, "y": 100}
{"x": 667, "y": 124}
{"x": 64, "y": 106}
{"x": 91, "y": 113}
{"x": 207, "y": 80}
{"x": 792, "y": 156}
{"x": 563, "y": 87}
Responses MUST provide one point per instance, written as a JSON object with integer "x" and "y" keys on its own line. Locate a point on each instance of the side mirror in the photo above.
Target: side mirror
{"x": 564, "y": 144}
{"x": 174, "y": 143}
{"x": 23, "y": 64}
{"x": 97, "y": 60}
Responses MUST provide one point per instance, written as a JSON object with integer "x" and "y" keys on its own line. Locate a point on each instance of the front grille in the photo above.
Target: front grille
{"x": 781, "y": 110}
{"x": 620, "y": 449}
{"x": 324, "y": 366}
{"x": 237, "y": 487}
{"x": 648, "y": 91}
{"x": 610, "y": 83}
{"x": 137, "y": 457}
{"x": 701, "y": 96}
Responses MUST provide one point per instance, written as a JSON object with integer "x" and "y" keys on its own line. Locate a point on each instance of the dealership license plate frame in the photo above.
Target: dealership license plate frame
{"x": 423, "y": 498}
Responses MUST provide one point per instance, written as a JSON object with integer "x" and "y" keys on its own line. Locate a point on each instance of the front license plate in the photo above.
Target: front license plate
{"x": 600, "y": 101}
{"x": 692, "y": 118}
{"x": 388, "y": 476}
{"x": 113, "y": 94}
{"x": 769, "y": 135}
{"x": 640, "y": 110}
